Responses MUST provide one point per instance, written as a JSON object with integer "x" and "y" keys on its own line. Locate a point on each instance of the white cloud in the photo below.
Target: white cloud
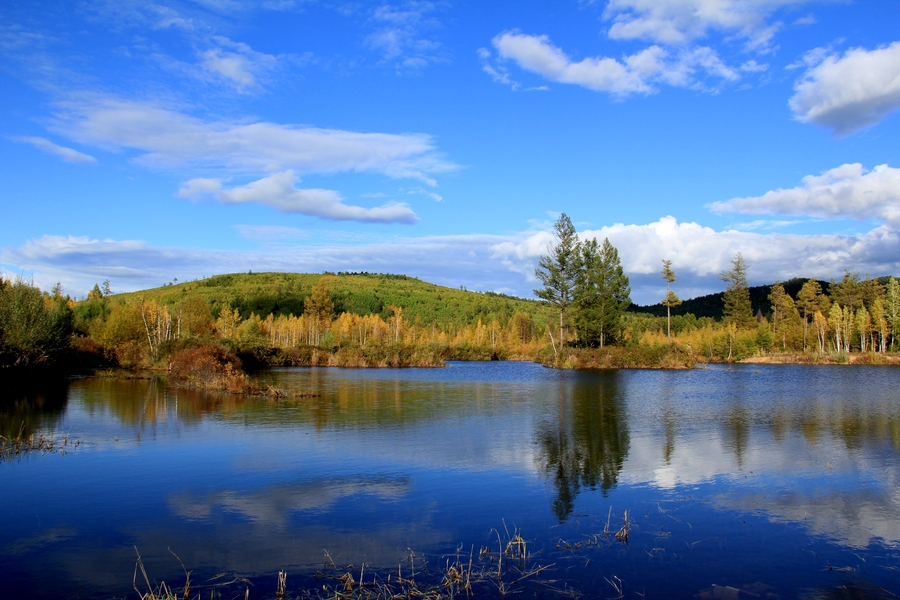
{"x": 80, "y": 262}
{"x": 536, "y": 54}
{"x": 67, "y": 154}
{"x": 682, "y": 21}
{"x": 764, "y": 224}
{"x": 398, "y": 34}
{"x": 700, "y": 253}
{"x": 171, "y": 139}
{"x": 480, "y": 262}
{"x": 278, "y": 191}
{"x": 236, "y": 63}
{"x": 635, "y": 74}
{"x": 845, "y": 192}
{"x": 849, "y": 92}
{"x": 751, "y": 66}
{"x": 269, "y": 233}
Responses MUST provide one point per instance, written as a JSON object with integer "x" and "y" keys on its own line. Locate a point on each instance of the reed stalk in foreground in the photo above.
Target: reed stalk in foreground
{"x": 506, "y": 566}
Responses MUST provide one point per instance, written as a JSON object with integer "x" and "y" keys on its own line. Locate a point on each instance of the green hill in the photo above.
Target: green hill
{"x": 360, "y": 293}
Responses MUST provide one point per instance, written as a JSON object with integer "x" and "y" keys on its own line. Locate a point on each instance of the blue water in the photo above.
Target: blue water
{"x": 767, "y": 479}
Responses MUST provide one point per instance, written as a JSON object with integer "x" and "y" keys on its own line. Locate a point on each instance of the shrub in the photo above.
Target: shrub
{"x": 208, "y": 367}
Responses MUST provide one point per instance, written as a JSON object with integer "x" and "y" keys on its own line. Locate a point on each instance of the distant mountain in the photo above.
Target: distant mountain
{"x": 712, "y": 305}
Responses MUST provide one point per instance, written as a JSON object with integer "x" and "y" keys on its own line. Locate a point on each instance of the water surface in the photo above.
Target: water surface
{"x": 769, "y": 479}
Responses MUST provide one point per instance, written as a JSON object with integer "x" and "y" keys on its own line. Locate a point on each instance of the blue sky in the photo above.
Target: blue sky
{"x": 142, "y": 142}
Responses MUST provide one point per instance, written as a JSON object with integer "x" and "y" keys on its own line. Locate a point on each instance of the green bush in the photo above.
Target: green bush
{"x": 34, "y": 328}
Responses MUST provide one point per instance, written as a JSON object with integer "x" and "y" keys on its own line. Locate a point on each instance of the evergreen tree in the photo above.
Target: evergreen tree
{"x": 671, "y": 299}
{"x": 808, "y": 300}
{"x": 776, "y": 298}
{"x": 784, "y": 314}
{"x": 320, "y": 307}
{"x": 737, "y": 293}
{"x": 602, "y": 294}
{"x": 558, "y": 270}
{"x": 848, "y": 291}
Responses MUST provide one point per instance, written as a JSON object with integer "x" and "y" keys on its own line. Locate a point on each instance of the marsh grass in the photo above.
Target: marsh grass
{"x": 625, "y": 357}
{"x": 501, "y": 569}
{"x": 214, "y": 586}
{"x": 505, "y": 566}
{"x": 12, "y": 448}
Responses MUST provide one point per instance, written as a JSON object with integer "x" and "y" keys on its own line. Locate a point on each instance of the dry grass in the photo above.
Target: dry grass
{"x": 505, "y": 566}
{"x": 12, "y": 448}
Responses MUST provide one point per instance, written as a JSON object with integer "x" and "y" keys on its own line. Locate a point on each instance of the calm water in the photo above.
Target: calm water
{"x": 779, "y": 480}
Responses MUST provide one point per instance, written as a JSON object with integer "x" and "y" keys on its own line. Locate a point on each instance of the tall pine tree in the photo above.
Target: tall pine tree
{"x": 737, "y": 293}
{"x": 558, "y": 270}
{"x": 671, "y": 298}
{"x": 602, "y": 294}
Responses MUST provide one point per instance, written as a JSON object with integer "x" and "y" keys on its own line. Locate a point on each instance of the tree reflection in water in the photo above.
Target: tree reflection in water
{"x": 586, "y": 445}
{"x": 37, "y": 407}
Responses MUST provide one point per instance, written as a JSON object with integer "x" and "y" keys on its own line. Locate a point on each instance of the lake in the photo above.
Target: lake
{"x": 739, "y": 482}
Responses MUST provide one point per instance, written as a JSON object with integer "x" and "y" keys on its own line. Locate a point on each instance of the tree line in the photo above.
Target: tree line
{"x": 584, "y": 289}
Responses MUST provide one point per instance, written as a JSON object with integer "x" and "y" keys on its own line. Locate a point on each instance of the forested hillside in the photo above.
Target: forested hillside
{"x": 363, "y": 319}
{"x": 713, "y": 306}
{"x": 283, "y": 294}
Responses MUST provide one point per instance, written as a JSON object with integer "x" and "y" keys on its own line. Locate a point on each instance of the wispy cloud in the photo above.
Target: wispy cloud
{"x": 270, "y": 233}
{"x": 167, "y": 138}
{"x": 503, "y": 263}
{"x": 279, "y": 191}
{"x": 236, "y": 63}
{"x": 847, "y": 93}
{"x": 639, "y": 73}
{"x": 845, "y": 192}
{"x": 764, "y": 224}
{"x": 79, "y": 262}
{"x": 677, "y": 22}
{"x": 400, "y": 34}
{"x": 67, "y": 154}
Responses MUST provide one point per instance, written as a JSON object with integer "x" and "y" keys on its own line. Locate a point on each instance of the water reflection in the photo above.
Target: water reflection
{"x": 37, "y": 408}
{"x": 378, "y": 462}
{"x": 586, "y": 444}
{"x": 145, "y": 405}
{"x": 277, "y": 504}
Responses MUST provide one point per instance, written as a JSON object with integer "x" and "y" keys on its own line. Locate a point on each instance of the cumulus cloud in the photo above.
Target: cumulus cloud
{"x": 480, "y": 262}
{"x": 171, "y": 139}
{"x": 67, "y": 154}
{"x": 845, "y": 192}
{"x": 635, "y": 74}
{"x": 279, "y": 191}
{"x": 699, "y": 254}
{"x": 847, "y": 93}
{"x": 682, "y": 21}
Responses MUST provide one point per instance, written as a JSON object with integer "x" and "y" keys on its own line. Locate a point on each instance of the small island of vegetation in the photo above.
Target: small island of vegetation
{"x": 207, "y": 333}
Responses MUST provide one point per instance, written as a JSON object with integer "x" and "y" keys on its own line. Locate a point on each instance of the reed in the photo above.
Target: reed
{"x": 13, "y": 448}
{"x": 505, "y": 566}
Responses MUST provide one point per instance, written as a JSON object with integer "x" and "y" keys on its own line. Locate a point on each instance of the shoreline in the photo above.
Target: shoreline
{"x": 857, "y": 358}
